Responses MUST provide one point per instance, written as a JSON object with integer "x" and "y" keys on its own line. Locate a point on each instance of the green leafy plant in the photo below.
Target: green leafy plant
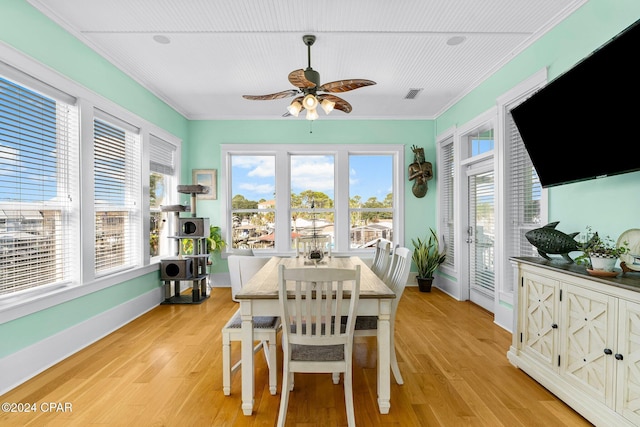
{"x": 215, "y": 242}
{"x": 427, "y": 255}
{"x": 602, "y": 246}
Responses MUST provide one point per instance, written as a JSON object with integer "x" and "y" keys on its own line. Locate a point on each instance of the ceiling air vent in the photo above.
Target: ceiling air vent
{"x": 413, "y": 93}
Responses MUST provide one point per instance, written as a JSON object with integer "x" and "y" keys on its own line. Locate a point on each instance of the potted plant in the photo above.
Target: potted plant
{"x": 600, "y": 253}
{"x": 215, "y": 243}
{"x": 427, "y": 257}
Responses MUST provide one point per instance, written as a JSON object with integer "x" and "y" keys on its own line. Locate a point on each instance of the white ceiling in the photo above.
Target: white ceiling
{"x": 221, "y": 50}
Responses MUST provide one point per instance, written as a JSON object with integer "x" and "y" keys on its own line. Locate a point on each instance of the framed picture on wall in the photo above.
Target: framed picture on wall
{"x": 207, "y": 177}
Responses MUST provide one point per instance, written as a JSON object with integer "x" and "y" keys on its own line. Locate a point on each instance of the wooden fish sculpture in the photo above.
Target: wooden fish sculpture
{"x": 548, "y": 240}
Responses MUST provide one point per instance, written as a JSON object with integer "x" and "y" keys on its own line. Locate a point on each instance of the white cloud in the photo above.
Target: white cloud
{"x": 261, "y": 166}
{"x": 258, "y": 188}
{"x": 312, "y": 172}
{"x": 8, "y": 160}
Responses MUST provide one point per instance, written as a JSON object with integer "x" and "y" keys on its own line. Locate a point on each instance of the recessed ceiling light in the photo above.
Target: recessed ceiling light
{"x": 161, "y": 39}
{"x": 456, "y": 40}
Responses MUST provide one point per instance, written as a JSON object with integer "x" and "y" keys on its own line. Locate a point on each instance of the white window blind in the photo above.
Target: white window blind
{"x": 446, "y": 192}
{"x": 482, "y": 251}
{"x": 38, "y": 161}
{"x": 524, "y": 194}
{"x": 162, "y": 156}
{"x": 116, "y": 194}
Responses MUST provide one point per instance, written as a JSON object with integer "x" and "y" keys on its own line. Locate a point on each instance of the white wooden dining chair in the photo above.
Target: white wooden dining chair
{"x": 381, "y": 258}
{"x": 265, "y": 328}
{"x": 241, "y": 273}
{"x": 313, "y": 338}
{"x": 304, "y": 244}
{"x": 367, "y": 326}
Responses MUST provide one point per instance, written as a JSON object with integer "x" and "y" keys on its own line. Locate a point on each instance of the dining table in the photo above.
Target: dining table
{"x": 259, "y": 297}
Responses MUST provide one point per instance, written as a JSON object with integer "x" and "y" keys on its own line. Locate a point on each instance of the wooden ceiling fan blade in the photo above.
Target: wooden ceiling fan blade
{"x": 271, "y": 96}
{"x": 341, "y": 104}
{"x": 345, "y": 85}
{"x": 298, "y": 79}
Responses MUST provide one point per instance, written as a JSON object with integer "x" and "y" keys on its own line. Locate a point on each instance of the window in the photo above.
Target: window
{"x": 446, "y": 196}
{"x": 524, "y": 199}
{"x": 524, "y": 192}
{"x": 117, "y": 192}
{"x": 253, "y": 201}
{"x": 352, "y": 193}
{"x": 370, "y": 199}
{"x": 161, "y": 184}
{"x": 481, "y": 143}
{"x": 51, "y": 239}
{"x": 312, "y": 196}
{"x": 38, "y": 148}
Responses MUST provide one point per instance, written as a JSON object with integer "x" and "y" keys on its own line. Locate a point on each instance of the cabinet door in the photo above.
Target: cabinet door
{"x": 539, "y": 318}
{"x": 628, "y": 368}
{"x": 589, "y": 321}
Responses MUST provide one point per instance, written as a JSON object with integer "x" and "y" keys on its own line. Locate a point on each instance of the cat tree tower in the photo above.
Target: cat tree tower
{"x": 192, "y": 268}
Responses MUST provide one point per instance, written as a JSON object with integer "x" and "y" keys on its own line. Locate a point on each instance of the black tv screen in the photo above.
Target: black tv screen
{"x": 584, "y": 123}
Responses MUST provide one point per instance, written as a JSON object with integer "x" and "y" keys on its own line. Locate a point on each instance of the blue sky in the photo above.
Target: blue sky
{"x": 369, "y": 176}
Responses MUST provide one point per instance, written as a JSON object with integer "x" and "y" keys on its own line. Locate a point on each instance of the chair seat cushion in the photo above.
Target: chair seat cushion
{"x": 259, "y": 322}
{"x": 364, "y": 322}
{"x": 323, "y": 353}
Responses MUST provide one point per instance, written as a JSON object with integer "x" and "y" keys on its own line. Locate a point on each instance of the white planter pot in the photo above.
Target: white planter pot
{"x": 604, "y": 263}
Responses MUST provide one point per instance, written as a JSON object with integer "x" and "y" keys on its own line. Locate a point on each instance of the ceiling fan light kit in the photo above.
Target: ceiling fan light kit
{"x": 310, "y": 102}
{"x": 327, "y": 105}
{"x": 312, "y": 114}
{"x": 294, "y": 108}
{"x": 307, "y": 83}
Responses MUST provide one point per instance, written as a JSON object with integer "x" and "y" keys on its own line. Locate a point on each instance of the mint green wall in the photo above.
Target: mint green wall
{"x": 203, "y": 152}
{"x": 28, "y": 330}
{"x": 27, "y": 30}
{"x": 610, "y": 205}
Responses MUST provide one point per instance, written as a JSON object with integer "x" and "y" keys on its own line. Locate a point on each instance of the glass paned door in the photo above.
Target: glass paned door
{"x": 481, "y": 239}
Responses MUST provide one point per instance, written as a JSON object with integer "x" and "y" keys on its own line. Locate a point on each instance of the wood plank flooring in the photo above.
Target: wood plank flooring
{"x": 164, "y": 369}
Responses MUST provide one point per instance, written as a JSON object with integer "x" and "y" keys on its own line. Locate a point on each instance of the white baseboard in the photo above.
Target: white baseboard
{"x": 24, "y": 364}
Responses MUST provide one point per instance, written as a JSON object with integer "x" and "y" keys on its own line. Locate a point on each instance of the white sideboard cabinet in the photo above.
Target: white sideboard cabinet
{"x": 579, "y": 336}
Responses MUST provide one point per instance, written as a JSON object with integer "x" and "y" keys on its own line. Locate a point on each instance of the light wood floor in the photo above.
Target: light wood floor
{"x": 164, "y": 369}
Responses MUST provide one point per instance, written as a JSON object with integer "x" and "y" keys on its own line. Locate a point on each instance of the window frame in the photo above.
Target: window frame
{"x": 341, "y": 153}
{"x": 29, "y": 301}
{"x": 168, "y": 168}
{"x": 447, "y": 193}
{"x": 65, "y": 202}
{"x": 507, "y": 101}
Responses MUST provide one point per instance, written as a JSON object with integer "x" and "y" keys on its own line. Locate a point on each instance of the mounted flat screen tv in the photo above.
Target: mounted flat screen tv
{"x": 584, "y": 123}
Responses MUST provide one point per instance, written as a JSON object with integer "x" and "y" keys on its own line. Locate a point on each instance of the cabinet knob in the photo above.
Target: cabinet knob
{"x": 608, "y": 351}
{"x": 554, "y": 326}
{"x": 618, "y": 356}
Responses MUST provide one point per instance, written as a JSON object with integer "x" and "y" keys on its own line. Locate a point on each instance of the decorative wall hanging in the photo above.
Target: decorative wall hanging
{"x": 420, "y": 172}
{"x": 208, "y": 178}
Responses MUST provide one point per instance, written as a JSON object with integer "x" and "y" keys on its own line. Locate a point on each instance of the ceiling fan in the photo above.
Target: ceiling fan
{"x": 308, "y": 85}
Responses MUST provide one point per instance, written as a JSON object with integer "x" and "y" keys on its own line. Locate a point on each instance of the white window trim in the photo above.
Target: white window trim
{"x": 16, "y": 305}
{"x": 341, "y": 183}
